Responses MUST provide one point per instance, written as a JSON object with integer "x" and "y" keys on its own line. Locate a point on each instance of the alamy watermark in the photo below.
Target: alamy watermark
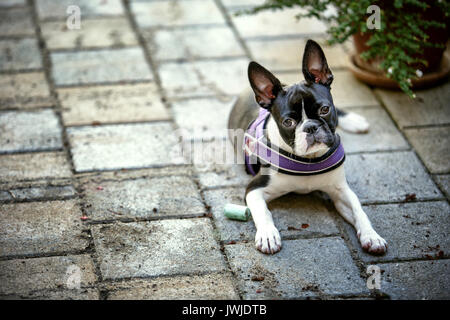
{"x": 374, "y": 20}
{"x": 73, "y": 21}
{"x": 374, "y": 280}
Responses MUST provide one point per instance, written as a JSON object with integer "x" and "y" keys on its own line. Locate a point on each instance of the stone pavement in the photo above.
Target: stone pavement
{"x": 95, "y": 204}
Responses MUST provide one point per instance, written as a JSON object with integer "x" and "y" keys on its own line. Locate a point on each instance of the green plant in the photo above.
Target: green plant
{"x": 399, "y": 43}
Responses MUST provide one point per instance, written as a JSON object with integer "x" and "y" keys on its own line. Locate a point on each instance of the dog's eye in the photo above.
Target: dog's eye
{"x": 289, "y": 123}
{"x": 324, "y": 110}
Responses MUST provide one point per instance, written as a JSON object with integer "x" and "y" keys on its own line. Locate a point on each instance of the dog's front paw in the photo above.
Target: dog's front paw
{"x": 268, "y": 240}
{"x": 372, "y": 242}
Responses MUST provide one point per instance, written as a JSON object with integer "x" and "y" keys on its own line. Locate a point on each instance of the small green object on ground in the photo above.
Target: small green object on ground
{"x": 236, "y": 212}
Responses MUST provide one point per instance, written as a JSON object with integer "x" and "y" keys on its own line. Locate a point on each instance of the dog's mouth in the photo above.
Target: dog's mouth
{"x": 304, "y": 148}
{"x": 313, "y": 144}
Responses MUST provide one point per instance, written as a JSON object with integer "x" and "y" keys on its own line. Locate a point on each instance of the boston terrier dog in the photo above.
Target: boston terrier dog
{"x": 290, "y": 145}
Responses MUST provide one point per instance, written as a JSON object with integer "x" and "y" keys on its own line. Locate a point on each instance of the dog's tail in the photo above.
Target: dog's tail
{"x": 352, "y": 122}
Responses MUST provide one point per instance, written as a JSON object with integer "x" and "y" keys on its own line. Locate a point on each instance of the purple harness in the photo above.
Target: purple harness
{"x": 257, "y": 151}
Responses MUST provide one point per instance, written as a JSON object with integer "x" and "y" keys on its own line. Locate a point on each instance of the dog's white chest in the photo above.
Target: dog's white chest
{"x": 306, "y": 184}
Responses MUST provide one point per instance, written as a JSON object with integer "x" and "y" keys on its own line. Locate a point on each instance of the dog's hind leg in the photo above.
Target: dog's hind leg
{"x": 352, "y": 122}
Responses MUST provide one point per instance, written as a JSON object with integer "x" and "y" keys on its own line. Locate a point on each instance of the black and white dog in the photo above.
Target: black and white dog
{"x": 300, "y": 120}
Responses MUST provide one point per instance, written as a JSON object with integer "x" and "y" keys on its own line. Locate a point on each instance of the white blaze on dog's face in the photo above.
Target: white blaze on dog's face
{"x": 305, "y": 144}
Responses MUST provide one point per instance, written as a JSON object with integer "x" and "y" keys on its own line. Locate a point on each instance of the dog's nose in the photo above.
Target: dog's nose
{"x": 310, "y": 127}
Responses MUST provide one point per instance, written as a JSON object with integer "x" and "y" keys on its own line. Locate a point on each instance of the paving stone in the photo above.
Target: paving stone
{"x": 69, "y": 294}
{"x": 5, "y": 196}
{"x": 112, "y": 104}
{"x": 94, "y": 33}
{"x": 388, "y": 177}
{"x": 58, "y": 9}
{"x": 216, "y": 155}
{"x": 346, "y": 90}
{"x": 289, "y": 212}
{"x": 429, "y": 108}
{"x": 179, "y": 170}
{"x": 34, "y": 166}
{"x": 276, "y": 23}
{"x": 200, "y": 78}
{"x": 24, "y": 90}
{"x": 104, "y": 66}
{"x": 203, "y": 118}
{"x": 216, "y": 164}
{"x": 25, "y": 276}
{"x": 382, "y": 135}
{"x": 225, "y": 176}
{"x": 216, "y": 168}
{"x": 303, "y": 268}
{"x": 16, "y": 22}
{"x": 192, "y": 287}
{"x": 444, "y": 183}
{"x": 157, "y": 248}
{"x": 41, "y": 192}
{"x": 432, "y": 145}
{"x": 29, "y": 131}
{"x": 176, "y": 13}
{"x": 20, "y": 54}
{"x": 412, "y": 230}
{"x": 123, "y": 146}
{"x": 142, "y": 198}
{"x": 193, "y": 43}
{"x": 12, "y": 3}
{"x": 41, "y": 227}
{"x": 286, "y": 54}
{"x": 416, "y": 280}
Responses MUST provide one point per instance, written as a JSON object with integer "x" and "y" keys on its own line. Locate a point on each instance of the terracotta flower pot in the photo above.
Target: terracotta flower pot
{"x": 437, "y": 69}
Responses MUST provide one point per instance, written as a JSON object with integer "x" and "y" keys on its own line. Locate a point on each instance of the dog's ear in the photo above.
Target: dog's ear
{"x": 315, "y": 67}
{"x": 264, "y": 84}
